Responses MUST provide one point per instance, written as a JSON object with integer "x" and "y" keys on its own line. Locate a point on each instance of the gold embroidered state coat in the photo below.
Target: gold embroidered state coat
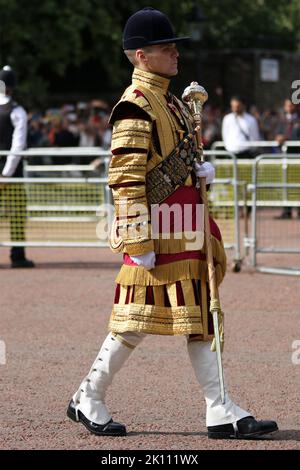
{"x": 173, "y": 298}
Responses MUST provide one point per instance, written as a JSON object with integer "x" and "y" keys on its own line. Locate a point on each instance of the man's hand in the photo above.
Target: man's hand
{"x": 205, "y": 170}
{"x": 147, "y": 260}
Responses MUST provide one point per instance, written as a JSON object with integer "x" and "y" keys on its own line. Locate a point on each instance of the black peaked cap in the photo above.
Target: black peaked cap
{"x": 148, "y": 27}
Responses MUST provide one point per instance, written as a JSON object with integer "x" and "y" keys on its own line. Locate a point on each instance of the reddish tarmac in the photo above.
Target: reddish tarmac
{"x": 53, "y": 321}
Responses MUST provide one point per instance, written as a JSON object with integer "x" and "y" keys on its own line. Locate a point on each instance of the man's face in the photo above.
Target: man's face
{"x": 237, "y": 106}
{"x": 289, "y": 107}
{"x": 162, "y": 59}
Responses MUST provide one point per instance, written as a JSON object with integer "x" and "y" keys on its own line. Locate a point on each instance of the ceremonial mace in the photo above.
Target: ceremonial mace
{"x": 195, "y": 96}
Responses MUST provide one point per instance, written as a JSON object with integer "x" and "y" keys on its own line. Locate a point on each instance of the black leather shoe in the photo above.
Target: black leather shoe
{"x": 22, "y": 263}
{"x": 109, "y": 429}
{"x": 246, "y": 428}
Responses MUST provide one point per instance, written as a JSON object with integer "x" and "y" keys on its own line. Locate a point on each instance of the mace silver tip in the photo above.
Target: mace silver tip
{"x": 194, "y": 92}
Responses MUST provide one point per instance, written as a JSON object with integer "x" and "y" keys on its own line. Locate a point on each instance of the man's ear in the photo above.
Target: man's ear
{"x": 141, "y": 56}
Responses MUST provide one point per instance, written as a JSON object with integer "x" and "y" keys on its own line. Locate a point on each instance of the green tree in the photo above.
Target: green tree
{"x": 253, "y": 23}
{"x": 42, "y": 40}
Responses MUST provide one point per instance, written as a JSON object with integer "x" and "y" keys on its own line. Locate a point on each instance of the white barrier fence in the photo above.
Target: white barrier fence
{"x": 276, "y": 217}
{"x": 59, "y": 202}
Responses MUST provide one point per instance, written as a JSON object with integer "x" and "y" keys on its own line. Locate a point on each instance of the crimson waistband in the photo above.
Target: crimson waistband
{"x": 169, "y": 258}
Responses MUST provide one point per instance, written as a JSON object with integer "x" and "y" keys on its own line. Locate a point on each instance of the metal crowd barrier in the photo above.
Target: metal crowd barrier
{"x": 56, "y": 210}
{"x": 262, "y": 144}
{"x": 224, "y": 204}
{"x": 59, "y": 203}
{"x": 276, "y": 214}
{"x": 245, "y": 165}
{"x": 219, "y": 144}
{"x": 50, "y": 166}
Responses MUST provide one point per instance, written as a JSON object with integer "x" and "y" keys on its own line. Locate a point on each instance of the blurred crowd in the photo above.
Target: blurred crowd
{"x": 272, "y": 124}
{"x": 86, "y": 124}
{"x": 80, "y": 125}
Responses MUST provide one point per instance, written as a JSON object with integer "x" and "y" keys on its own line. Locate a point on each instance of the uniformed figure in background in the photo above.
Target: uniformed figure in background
{"x": 162, "y": 287}
{"x": 13, "y": 137}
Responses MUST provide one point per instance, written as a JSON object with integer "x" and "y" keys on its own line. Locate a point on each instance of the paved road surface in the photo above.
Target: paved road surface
{"x": 53, "y": 320}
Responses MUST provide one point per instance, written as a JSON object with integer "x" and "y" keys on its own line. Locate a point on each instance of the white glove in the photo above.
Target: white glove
{"x": 205, "y": 170}
{"x": 147, "y": 260}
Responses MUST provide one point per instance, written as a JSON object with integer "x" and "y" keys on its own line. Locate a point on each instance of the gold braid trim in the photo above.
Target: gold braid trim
{"x": 166, "y": 123}
{"x": 132, "y": 173}
{"x": 130, "y": 192}
{"x": 138, "y": 248}
{"x": 156, "y": 320}
{"x": 129, "y": 208}
{"x": 131, "y": 133}
{"x": 151, "y": 80}
{"x": 128, "y": 159}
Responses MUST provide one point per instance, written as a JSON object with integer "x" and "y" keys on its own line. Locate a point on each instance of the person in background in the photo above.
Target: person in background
{"x": 87, "y": 137}
{"x": 239, "y": 128}
{"x": 289, "y": 118}
{"x": 63, "y": 136}
{"x": 287, "y": 130}
{"x": 99, "y": 120}
{"x": 211, "y": 126}
{"x": 13, "y": 137}
{"x": 36, "y": 132}
{"x": 268, "y": 122}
